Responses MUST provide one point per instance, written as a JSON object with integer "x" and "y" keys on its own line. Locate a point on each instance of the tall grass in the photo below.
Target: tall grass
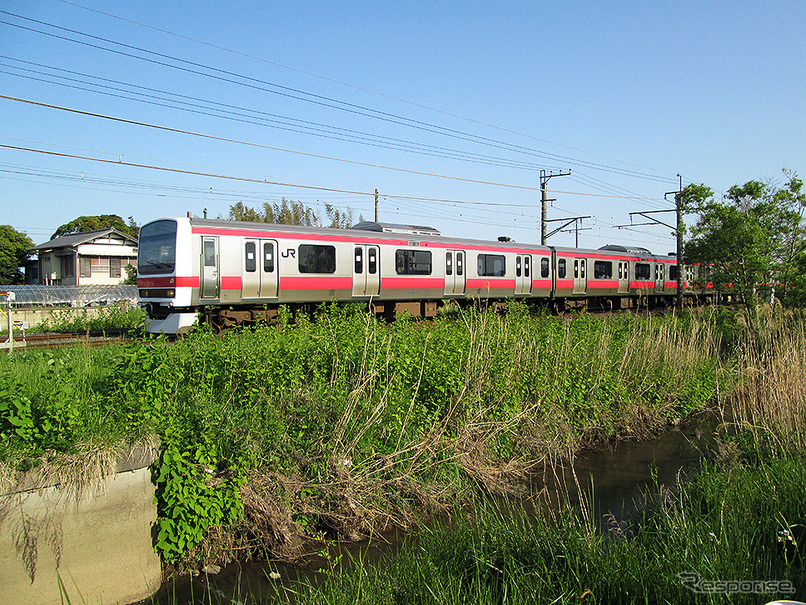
{"x": 720, "y": 538}
{"x": 733, "y": 533}
{"x": 344, "y": 425}
{"x": 96, "y": 319}
{"x": 770, "y": 398}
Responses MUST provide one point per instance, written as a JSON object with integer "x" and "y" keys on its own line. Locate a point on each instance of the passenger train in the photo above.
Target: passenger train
{"x": 229, "y": 273}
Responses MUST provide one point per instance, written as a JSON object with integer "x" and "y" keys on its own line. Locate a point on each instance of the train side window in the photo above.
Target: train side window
{"x": 517, "y": 266}
{"x": 209, "y": 253}
{"x": 251, "y": 257}
{"x": 602, "y": 269}
{"x": 268, "y": 258}
{"x": 359, "y": 260}
{"x": 314, "y": 258}
{"x": 448, "y": 263}
{"x": 561, "y": 268}
{"x": 582, "y": 269}
{"x": 673, "y": 273}
{"x": 413, "y": 262}
{"x": 576, "y": 269}
{"x": 373, "y": 261}
{"x": 642, "y": 271}
{"x": 459, "y": 267}
{"x": 527, "y": 266}
{"x": 491, "y": 265}
{"x": 544, "y": 267}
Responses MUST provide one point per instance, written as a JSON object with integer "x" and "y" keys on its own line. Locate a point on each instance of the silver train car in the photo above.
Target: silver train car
{"x": 231, "y": 273}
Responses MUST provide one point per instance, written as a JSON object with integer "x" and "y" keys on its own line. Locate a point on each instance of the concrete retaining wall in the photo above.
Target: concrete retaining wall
{"x": 36, "y": 315}
{"x": 99, "y": 546}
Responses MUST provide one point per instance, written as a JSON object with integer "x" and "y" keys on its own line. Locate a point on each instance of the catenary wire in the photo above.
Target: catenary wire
{"x": 313, "y": 98}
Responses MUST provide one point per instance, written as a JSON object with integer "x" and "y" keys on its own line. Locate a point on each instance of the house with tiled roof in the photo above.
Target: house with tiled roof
{"x": 88, "y": 258}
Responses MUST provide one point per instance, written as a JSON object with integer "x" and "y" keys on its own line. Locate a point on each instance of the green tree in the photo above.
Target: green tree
{"x": 14, "y": 248}
{"x": 94, "y": 223}
{"x": 289, "y": 212}
{"x": 751, "y": 240}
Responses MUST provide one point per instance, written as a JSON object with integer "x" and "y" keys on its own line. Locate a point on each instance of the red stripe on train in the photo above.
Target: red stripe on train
{"x": 491, "y": 284}
{"x": 315, "y": 283}
{"x": 419, "y": 283}
{"x": 190, "y": 281}
{"x": 230, "y": 282}
{"x": 596, "y": 284}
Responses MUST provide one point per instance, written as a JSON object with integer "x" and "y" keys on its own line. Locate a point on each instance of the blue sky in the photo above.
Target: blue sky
{"x": 625, "y": 95}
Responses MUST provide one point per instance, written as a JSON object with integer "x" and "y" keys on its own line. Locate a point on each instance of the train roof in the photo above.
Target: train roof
{"x": 395, "y": 228}
{"x": 398, "y": 232}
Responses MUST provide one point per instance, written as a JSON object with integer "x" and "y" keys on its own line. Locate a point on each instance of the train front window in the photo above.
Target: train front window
{"x": 156, "y": 251}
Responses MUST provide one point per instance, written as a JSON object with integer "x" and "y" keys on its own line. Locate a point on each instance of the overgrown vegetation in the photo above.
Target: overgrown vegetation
{"x": 96, "y": 319}
{"x": 341, "y": 425}
{"x": 734, "y": 532}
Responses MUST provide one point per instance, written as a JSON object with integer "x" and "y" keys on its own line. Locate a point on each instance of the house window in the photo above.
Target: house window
{"x": 114, "y": 267}
{"x": 100, "y": 264}
{"x": 84, "y": 266}
{"x": 67, "y": 266}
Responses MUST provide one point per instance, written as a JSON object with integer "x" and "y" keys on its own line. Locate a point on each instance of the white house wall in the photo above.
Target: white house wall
{"x": 98, "y": 249}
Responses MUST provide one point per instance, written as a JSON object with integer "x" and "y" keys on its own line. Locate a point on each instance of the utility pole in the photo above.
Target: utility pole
{"x": 544, "y": 179}
{"x": 376, "y": 205}
{"x": 677, "y": 231}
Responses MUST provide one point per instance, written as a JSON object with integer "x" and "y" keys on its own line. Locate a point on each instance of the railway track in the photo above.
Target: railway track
{"x": 54, "y": 340}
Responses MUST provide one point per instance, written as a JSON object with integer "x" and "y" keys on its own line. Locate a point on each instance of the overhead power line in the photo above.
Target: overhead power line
{"x": 121, "y": 162}
{"x": 274, "y": 88}
{"x": 250, "y": 116}
{"x": 349, "y": 85}
{"x": 260, "y": 145}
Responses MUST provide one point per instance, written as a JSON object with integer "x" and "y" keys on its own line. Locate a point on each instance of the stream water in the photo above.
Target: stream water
{"x": 615, "y": 478}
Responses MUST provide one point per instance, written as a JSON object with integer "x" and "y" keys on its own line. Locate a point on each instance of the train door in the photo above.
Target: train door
{"x": 580, "y": 278}
{"x": 366, "y": 271}
{"x": 209, "y": 272}
{"x": 660, "y": 277}
{"x": 455, "y": 277}
{"x": 259, "y": 272}
{"x": 623, "y": 276}
{"x": 523, "y": 274}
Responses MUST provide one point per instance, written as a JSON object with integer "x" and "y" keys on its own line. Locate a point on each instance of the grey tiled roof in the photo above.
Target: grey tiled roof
{"x": 69, "y": 241}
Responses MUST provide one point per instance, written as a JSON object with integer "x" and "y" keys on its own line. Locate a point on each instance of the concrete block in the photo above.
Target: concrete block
{"x": 100, "y": 545}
